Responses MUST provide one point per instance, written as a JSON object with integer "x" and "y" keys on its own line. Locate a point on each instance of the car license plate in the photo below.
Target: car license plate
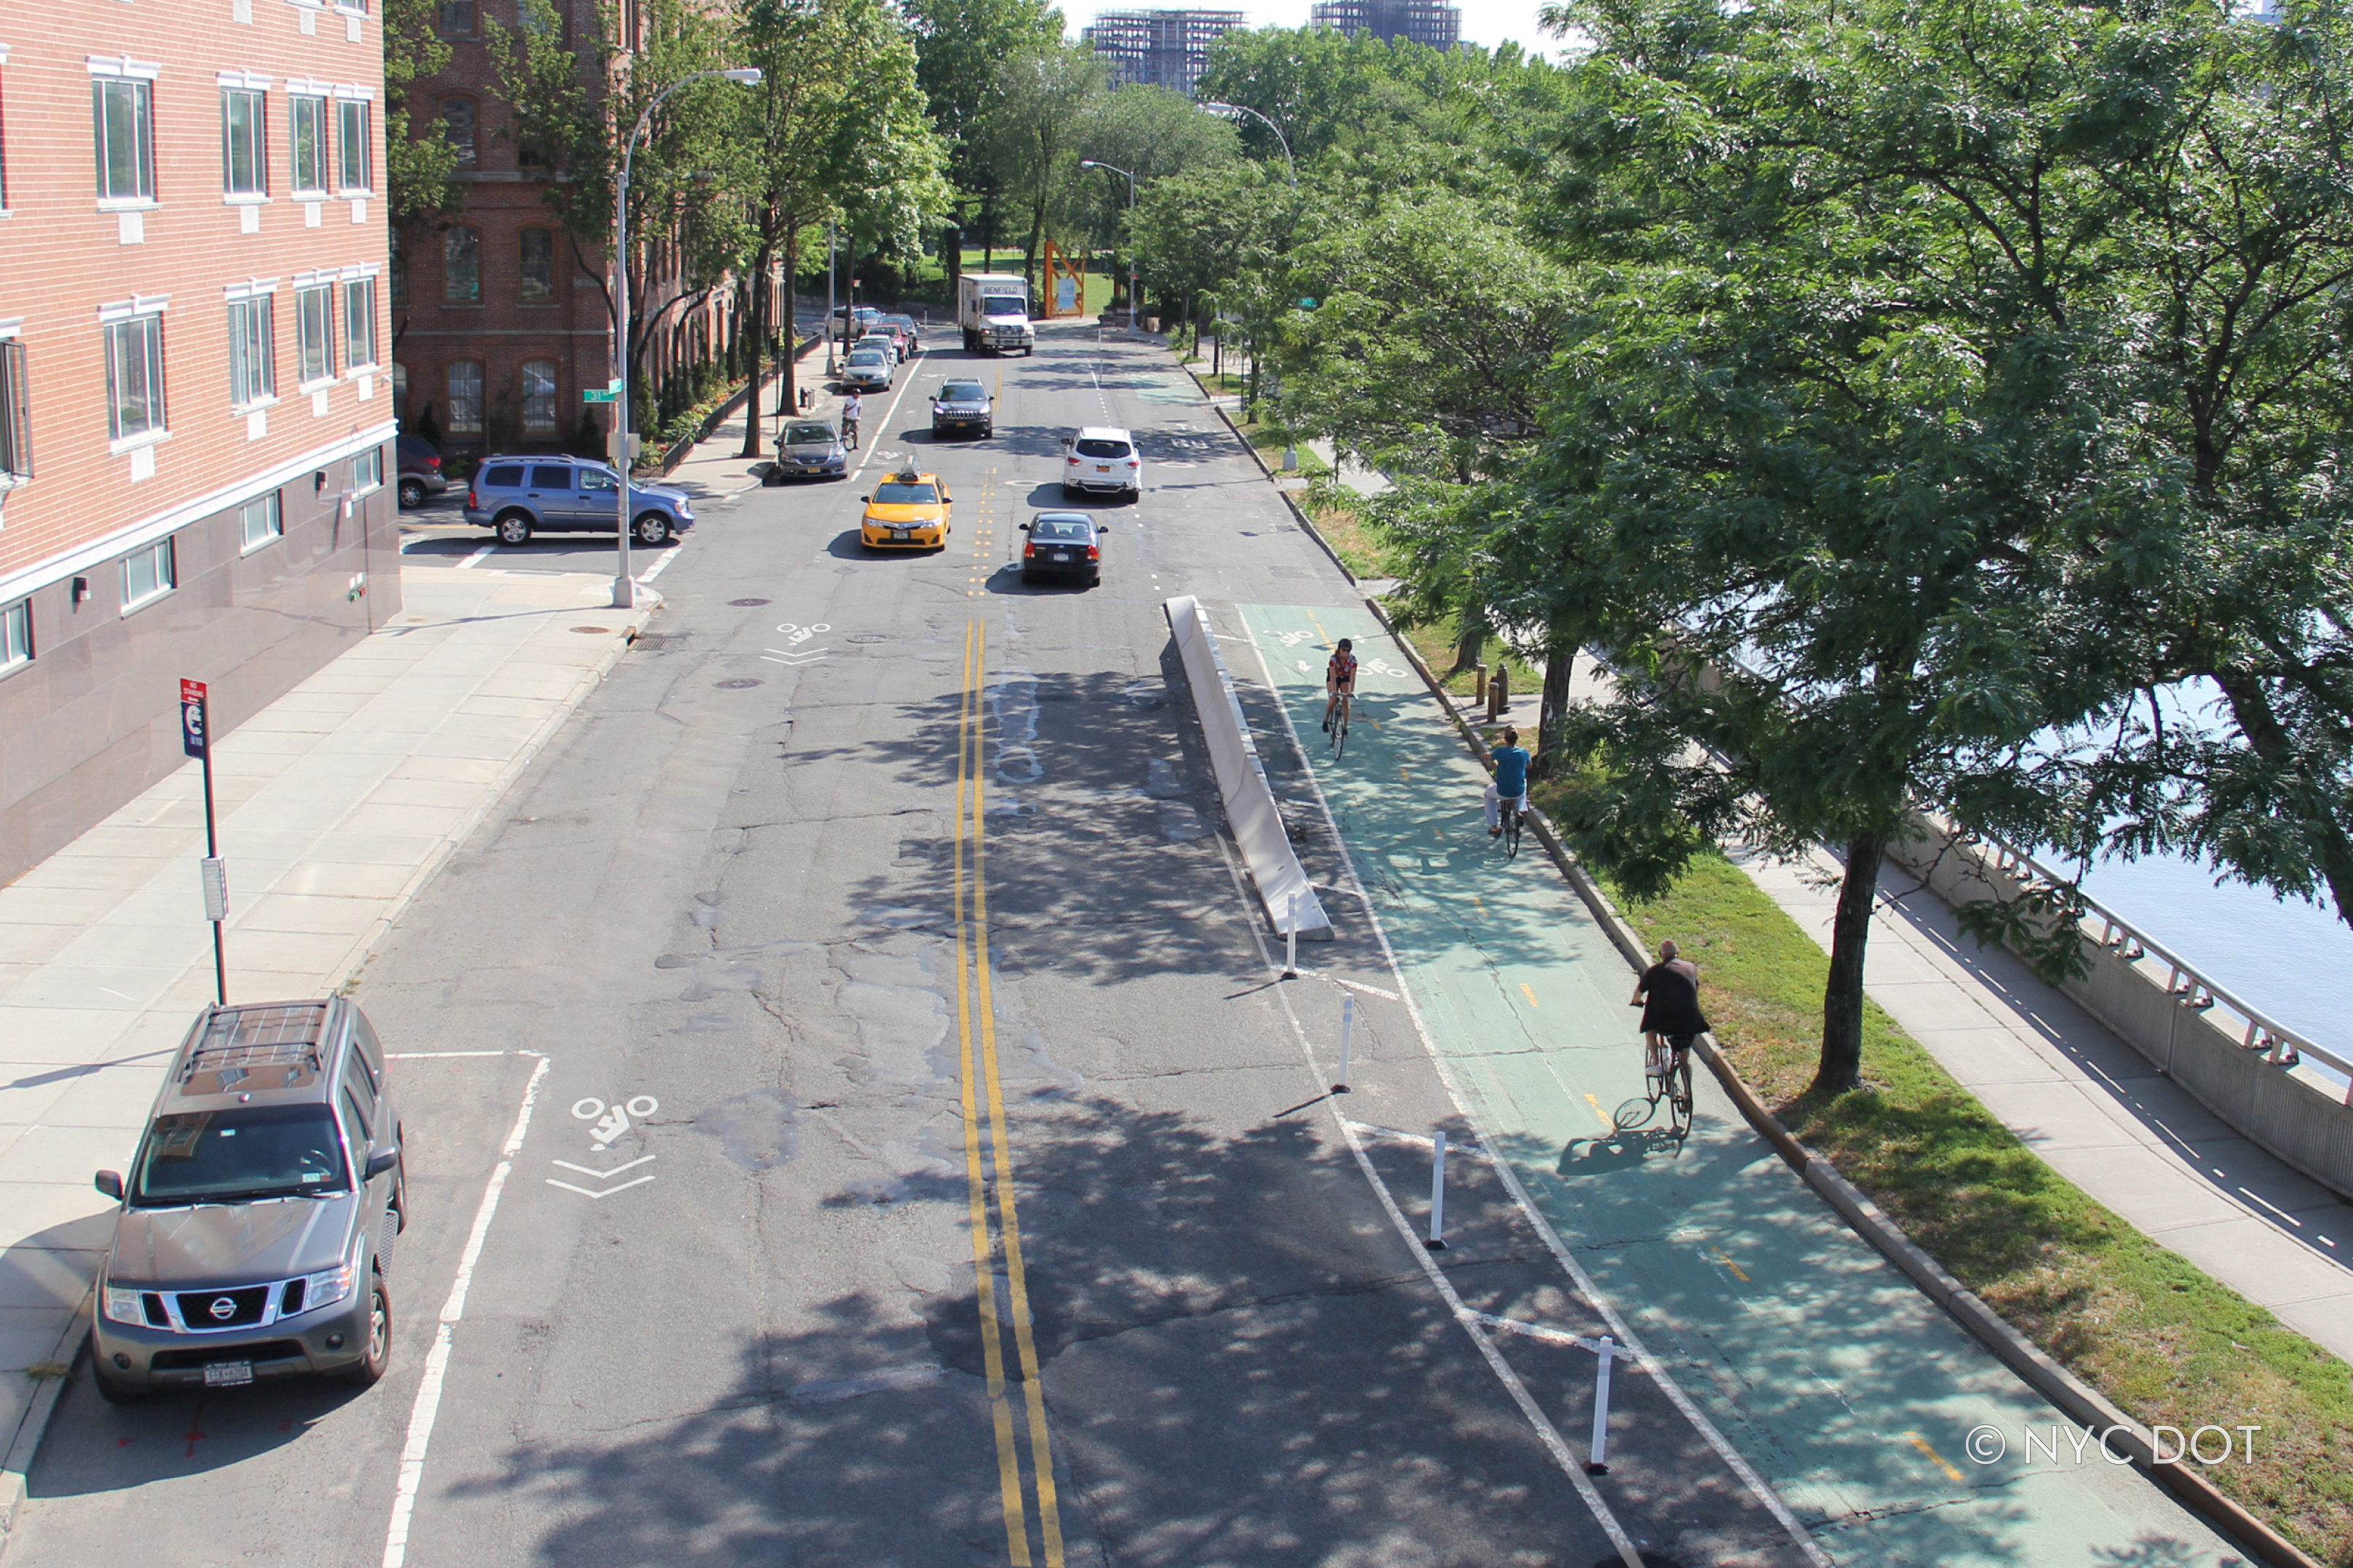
{"x": 1103, "y": 467}
{"x": 1062, "y": 555}
{"x": 901, "y": 533}
{"x": 227, "y": 1373}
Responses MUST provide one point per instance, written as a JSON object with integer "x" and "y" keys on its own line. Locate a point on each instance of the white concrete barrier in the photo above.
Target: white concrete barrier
{"x": 1241, "y": 778}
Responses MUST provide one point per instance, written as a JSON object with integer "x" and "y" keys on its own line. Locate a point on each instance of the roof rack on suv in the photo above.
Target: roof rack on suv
{"x": 240, "y": 1042}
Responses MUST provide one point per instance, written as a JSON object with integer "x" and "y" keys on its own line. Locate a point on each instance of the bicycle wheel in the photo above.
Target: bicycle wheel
{"x": 1340, "y": 733}
{"x": 1680, "y": 1091}
{"x": 1510, "y": 834}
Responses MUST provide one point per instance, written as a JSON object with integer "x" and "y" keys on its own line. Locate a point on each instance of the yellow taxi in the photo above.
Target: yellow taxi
{"x": 908, "y": 510}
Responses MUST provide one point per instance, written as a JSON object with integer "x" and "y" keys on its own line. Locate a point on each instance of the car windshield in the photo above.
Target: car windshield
{"x": 1003, "y": 305}
{"x": 866, "y": 356}
{"x": 811, "y": 435}
{"x": 896, "y": 494}
{"x": 244, "y": 1151}
{"x": 963, "y": 392}
{"x": 1060, "y": 528}
{"x": 1094, "y": 448}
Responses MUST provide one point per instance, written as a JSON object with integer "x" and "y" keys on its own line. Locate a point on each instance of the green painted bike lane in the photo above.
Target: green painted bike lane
{"x": 1855, "y": 1397}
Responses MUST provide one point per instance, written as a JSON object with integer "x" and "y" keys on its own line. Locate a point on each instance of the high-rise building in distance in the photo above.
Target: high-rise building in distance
{"x": 1162, "y": 48}
{"x": 1430, "y": 22}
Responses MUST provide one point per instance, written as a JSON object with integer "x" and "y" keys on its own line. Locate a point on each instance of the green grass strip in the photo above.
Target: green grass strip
{"x": 2137, "y": 1322}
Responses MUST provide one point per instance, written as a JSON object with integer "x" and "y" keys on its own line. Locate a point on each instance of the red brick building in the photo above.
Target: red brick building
{"x": 501, "y": 319}
{"x": 196, "y": 408}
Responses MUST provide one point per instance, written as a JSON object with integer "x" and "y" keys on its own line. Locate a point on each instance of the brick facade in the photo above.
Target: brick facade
{"x": 190, "y": 510}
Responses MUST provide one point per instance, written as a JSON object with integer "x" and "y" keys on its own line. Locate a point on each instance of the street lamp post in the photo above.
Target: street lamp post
{"x": 1229, "y": 110}
{"x": 1099, "y": 163}
{"x": 625, "y": 586}
{"x": 831, "y": 366}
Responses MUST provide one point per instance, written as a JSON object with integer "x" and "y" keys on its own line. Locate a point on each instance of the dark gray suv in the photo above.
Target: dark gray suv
{"x": 256, "y": 1225}
{"x": 518, "y": 497}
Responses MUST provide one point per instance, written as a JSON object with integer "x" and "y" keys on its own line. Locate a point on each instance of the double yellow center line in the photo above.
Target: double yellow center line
{"x": 984, "y": 1129}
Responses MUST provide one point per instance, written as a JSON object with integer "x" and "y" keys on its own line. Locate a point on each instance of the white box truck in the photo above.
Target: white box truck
{"x": 993, "y": 310}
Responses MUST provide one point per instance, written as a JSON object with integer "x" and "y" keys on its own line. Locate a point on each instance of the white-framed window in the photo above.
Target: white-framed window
{"x": 367, "y": 472}
{"x": 359, "y": 323}
{"x": 245, "y": 142}
{"x": 122, "y": 113}
{"x": 308, "y": 143}
{"x": 354, "y": 146}
{"x": 149, "y": 573}
{"x": 259, "y": 522}
{"x": 539, "y": 410}
{"x": 15, "y": 416}
{"x": 465, "y": 383}
{"x": 252, "y": 351}
{"x": 315, "y": 332}
{"x": 134, "y": 376}
{"x": 16, "y": 636}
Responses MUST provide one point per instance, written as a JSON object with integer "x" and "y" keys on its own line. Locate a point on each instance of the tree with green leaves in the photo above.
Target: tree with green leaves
{"x": 419, "y": 162}
{"x": 1032, "y": 128}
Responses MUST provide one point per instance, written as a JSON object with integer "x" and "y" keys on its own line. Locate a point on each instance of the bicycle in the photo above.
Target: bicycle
{"x": 1339, "y": 731}
{"x": 849, "y": 435}
{"x": 1666, "y": 1074}
{"x": 1512, "y": 810}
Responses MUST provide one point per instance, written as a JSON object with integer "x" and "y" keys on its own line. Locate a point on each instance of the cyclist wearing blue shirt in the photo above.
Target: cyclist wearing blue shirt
{"x": 1510, "y": 783}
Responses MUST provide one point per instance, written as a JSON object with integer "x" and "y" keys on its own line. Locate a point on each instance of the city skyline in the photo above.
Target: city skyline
{"x": 1486, "y": 23}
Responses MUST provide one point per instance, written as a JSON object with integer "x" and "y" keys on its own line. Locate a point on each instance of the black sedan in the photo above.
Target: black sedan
{"x": 1063, "y": 544}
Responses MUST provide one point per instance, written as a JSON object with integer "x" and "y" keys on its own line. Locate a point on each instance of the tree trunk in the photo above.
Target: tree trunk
{"x": 788, "y": 354}
{"x": 763, "y": 262}
{"x": 1552, "y": 712}
{"x": 951, "y": 252}
{"x": 1469, "y": 640}
{"x": 1842, "y": 1061}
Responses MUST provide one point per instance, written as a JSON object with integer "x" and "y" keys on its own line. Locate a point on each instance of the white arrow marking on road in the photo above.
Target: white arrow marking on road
{"x": 608, "y": 1192}
{"x": 774, "y": 655}
{"x": 600, "y": 1176}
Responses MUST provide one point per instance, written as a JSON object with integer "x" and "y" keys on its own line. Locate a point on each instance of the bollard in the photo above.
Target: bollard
{"x": 1479, "y": 684}
{"x": 1606, "y": 1349}
{"x": 1437, "y": 1242}
{"x": 1348, "y": 1027}
{"x": 1291, "y": 943}
{"x": 1499, "y": 692}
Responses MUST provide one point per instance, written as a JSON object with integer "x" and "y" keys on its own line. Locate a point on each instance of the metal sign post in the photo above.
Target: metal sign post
{"x": 196, "y": 740}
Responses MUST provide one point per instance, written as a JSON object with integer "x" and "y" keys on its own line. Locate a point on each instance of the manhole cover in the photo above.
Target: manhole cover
{"x": 594, "y": 631}
{"x": 739, "y": 684}
{"x": 746, "y": 604}
{"x": 867, "y": 637}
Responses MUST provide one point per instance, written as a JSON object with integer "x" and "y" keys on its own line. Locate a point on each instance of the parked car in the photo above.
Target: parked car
{"x": 253, "y": 1233}
{"x": 421, "y": 478}
{"x": 867, "y": 370}
{"x": 808, "y": 448}
{"x": 886, "y": 341}
{"x": 908, "y": 510}
{"x": 910, "y": 333}
{"x": 862, "y": 322}
{"x": 518, "y": 497}
{"x": 962, "y": 408}
{"x": 1063, "y": 544}
{"x": 1102, "y": 459}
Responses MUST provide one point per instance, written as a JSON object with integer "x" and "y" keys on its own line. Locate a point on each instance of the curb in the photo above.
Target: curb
{"x": 1297, "y": 510}
{"x": 683, "y": 447}
{"x": 17, "y": 1461}
{"x": 2073, "y": 1398}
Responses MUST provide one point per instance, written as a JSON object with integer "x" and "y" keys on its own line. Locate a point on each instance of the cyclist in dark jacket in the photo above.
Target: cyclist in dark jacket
{"x": 1668, "y": 994}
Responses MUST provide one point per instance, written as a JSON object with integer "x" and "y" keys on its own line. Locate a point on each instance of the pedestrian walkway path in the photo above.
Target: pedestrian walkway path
{"x": 1842, "y": 1383}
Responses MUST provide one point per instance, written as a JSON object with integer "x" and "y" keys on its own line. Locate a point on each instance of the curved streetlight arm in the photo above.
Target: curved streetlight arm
{"x": 625, "y": 586}
{"x": 1282, "y": 141}
{"x": 1114, "y": 168}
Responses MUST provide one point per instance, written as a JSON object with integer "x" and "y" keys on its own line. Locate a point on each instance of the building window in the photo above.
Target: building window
{"x": 461, "y": 267}
{"x": 399, "y": 260}
{"x": 367, "y": 472}
{"x": 310, "y": 143}
{"x": 124, "y": 110}
{"x": 455, "y": 18}
{"x": 458, "y": 125}
{"x": 135, "y": 377}
{"x": 539, "y": 397}
{"x": 15, "y": 416}
{"x": 400, "y": 391}
{"x": 244, "y": 143}
{"x": 466, "y": 397}
{"x": 16, "y": 635}
{"x": 260, "y": 521}
{"x": 148, "y": 574}
{"x": 315, "y": 332}
{"x": 252, "y": 351}
{"x": 354, "y": 144}
{"x": 539, "y": 17}
{"x": 359, "y": 323}
{"x": 538, "y": 264}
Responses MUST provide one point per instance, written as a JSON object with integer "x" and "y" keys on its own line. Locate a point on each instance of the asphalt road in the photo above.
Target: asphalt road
{"x": 979, "y": 1203}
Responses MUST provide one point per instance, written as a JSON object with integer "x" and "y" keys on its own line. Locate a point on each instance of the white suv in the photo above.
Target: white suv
{"x": 1102, "y": 458}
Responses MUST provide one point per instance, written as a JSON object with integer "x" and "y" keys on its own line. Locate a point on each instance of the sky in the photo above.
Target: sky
{"x": 1487, "y": 22}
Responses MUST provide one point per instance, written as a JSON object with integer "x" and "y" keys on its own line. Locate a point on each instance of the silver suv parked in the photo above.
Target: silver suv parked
{"x": 256, "y": 1225}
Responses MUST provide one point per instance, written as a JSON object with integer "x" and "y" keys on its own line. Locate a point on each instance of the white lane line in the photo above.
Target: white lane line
{"x": 1757, "y": 1486}
{"x": 436, "y": 1360}
{"x": 1478, "y": 1331}
{"x": 470, "y": 561}
{"x": 866, "y": 453}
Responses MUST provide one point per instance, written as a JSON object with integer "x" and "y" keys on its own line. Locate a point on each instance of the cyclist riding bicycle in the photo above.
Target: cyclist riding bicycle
{"x": 1668, "y": 994}
{"x": 1340, "y": 683}
{"x": 1510, "y": 783}
{"x": 851, "y": 408}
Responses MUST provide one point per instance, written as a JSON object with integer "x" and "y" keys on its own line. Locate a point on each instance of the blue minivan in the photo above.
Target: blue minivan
{"x": 518, "y": 497}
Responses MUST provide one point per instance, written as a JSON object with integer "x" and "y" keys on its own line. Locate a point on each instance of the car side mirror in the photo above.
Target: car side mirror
{"x": 1025, "y": 527}
{"x": 378, "y": 1162}
{"x": 110, "y": 1183}
{"x": 866, "y": 498}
